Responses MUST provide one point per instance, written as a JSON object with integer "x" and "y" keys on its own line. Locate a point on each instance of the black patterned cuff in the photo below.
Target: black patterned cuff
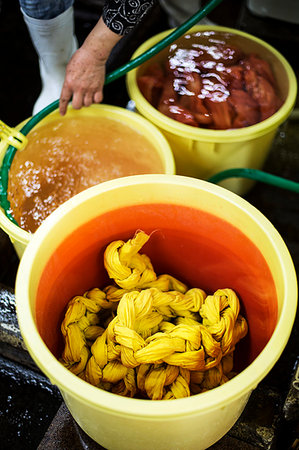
{"x": 121, "y": 16}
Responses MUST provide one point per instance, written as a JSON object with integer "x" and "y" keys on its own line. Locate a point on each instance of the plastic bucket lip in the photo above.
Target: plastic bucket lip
{"x": 14, "y": 231}
{"x": 206, "y": 135}
{"x": 239, "y": 386}
{"x": 19, "y": 234}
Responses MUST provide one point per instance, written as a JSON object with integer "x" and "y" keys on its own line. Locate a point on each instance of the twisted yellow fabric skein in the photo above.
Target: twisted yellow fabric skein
{"x": 150, "y": 336}
{"x": 126, "y": 266}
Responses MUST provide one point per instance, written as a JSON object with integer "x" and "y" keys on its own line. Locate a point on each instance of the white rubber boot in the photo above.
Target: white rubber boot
{"x": 54, "y": 42}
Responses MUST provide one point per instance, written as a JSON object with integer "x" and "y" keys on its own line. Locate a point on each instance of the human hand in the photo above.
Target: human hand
{"x": 85, "y": 72}
{"x": 84, "y": 80}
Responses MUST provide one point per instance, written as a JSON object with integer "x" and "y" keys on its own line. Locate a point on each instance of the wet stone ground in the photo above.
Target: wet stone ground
{"x": 32, "y": 413}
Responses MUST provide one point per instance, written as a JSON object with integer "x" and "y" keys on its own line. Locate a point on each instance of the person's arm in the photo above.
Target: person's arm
{"x": 85, "y": 72}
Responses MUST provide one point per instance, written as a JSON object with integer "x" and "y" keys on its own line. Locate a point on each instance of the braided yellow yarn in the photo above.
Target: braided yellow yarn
{"x": 150, "y": 336}
{"x": 128, "y": 268}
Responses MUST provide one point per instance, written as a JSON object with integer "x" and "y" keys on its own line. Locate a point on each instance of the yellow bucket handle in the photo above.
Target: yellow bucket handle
{"x": 12, "y": 136}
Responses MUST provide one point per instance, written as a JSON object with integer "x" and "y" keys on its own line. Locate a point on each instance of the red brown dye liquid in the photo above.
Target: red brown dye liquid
{"x": 206, "y": 81}
{"x": 65, "y": 157}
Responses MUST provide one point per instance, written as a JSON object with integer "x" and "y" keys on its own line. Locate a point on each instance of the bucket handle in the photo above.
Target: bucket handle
{"x": 12, "y": 136}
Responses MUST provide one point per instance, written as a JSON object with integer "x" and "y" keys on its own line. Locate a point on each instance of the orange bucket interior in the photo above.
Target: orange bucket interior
{"x": 197, "y": 247}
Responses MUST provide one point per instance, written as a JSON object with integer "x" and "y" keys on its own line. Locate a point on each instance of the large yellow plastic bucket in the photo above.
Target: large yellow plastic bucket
{"x": 202, "y": 152}
{"x": 20, "y": 237}
{"x": 203, "y": 234}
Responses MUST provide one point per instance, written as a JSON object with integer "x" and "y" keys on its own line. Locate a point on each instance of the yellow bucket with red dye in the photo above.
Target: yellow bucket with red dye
{"x": 203, "y": 152}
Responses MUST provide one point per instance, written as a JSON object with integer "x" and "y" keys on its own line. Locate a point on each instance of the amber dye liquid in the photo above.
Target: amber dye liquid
{"x": 65, "y": 157}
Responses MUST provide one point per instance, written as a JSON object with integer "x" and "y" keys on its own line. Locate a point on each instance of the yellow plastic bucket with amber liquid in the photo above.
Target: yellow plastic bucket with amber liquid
{"x": 139, "y": 125}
